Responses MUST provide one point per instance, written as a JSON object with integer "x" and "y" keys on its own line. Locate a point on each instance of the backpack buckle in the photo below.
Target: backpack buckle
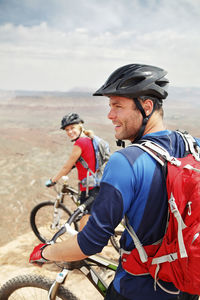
{"x": 172, "y": 203}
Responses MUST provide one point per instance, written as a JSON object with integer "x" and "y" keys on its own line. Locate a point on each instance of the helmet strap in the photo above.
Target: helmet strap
{"x": 81, "y": 130}
{"x": 145, "y": 119}
{"x": 74, "y": 140}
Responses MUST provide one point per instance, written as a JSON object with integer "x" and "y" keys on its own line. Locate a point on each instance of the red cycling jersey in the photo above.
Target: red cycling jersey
{"x": 88, "y": 155}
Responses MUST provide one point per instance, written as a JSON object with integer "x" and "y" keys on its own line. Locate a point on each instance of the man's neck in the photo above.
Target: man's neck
{"x": 154, "y": 124}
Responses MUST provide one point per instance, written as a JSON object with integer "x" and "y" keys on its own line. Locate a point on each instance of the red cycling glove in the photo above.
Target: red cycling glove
{"x": 36, "y": 256}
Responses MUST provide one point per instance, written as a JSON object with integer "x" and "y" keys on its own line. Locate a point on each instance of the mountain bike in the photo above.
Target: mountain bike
{"x": 38, "y": 287}
{"x": 47, "y": 217}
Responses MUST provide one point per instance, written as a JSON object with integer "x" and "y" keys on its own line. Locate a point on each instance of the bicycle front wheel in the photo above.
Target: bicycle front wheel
{"x": 32, "y": 287}
{"x": 46, "y": 221}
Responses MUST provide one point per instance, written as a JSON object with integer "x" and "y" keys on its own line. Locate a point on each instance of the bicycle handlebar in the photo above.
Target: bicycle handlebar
{"x": 67, "y": 226}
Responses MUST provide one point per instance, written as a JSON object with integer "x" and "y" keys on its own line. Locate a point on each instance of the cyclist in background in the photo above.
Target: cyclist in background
{"x": 132, "y": 185}
{"x": 82, "y": 147}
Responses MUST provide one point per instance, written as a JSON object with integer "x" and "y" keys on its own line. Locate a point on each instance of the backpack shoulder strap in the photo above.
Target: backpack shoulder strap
{"x": 142, "y": 253}
{"x": 83, "y": 162}
{"x": 85, "y": 165}
{"x": 191, "y": 145}
{"x": 159, "y": 153}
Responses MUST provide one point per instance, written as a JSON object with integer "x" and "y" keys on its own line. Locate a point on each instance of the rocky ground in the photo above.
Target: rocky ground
{"x": 32, "y": 149}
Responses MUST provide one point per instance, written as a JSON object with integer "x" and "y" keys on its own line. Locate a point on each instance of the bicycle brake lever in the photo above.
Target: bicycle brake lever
{"x": 70, "y": 229}
{"x": 65, "y": 178}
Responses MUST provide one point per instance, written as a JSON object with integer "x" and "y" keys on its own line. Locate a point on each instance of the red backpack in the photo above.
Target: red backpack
{"x": 176, "y": 258}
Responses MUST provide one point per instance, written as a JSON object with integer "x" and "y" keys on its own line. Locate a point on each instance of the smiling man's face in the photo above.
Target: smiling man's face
{"x": 125, "y": 116}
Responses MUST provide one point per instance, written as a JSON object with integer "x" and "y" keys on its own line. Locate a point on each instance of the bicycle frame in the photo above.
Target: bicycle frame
{"x": 88, "y": 271}
{"x": 66, "y": 190}
{"x": 58, "y": 212}
{"x": 85, "y": 266}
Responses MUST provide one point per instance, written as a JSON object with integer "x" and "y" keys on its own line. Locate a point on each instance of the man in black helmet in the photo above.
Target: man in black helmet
{"x": 132, "y": 185}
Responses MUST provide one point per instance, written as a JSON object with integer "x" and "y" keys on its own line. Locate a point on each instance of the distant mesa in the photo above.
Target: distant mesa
{"x": 176, "y": 93}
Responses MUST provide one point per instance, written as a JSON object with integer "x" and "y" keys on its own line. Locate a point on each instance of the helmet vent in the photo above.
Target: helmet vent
{"x": 136, "y": 80}
{"x": 131, "y": 82}
{"x": 162, "y": 83}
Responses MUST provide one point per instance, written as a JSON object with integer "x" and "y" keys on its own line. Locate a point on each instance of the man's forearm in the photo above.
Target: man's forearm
{"x": 68, "y": 250}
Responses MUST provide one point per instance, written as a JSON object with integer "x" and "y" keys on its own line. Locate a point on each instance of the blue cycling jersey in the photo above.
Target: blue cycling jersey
{"x": 133, "y": 184}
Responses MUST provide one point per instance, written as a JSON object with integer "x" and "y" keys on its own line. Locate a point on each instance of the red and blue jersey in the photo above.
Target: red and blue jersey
{"x": 133, "y": 183}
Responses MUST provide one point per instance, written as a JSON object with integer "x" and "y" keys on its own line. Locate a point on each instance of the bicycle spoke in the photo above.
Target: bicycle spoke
{"x": 46, "y": 221}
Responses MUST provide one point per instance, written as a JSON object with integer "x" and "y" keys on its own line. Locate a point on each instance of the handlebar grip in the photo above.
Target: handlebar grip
{"x": 89, "y": 201}
{"x": 60, "y": 232}
{"x": 49, "y": 183}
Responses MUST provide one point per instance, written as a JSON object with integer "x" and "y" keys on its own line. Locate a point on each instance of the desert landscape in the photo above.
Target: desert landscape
{"x": 33, "y": 148}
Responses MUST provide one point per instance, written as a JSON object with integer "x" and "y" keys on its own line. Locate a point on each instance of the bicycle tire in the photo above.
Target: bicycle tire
{"x": 41, "y": 220}
{"x": 31, "y": 287}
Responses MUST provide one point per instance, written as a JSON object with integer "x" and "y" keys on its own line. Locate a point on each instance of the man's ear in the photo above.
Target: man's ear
{"x": 147, "y": 106}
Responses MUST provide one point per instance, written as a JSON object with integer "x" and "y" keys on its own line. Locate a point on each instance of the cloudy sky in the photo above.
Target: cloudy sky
{"x": 65, "y": 44}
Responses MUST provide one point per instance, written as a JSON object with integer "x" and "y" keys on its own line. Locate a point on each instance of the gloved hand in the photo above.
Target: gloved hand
{"x": 49, "y": 183}
{"x": 36, "y": 256}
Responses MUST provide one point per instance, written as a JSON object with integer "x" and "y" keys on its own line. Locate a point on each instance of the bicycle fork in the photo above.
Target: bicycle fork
{"x": 56, "y": 284}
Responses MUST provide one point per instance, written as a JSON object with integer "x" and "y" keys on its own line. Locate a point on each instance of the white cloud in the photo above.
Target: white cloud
{"x": 83, "y": 49}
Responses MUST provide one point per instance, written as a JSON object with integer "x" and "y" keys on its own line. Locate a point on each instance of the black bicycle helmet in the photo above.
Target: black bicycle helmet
{"x": 69, "y": 119}
{"x": 134, "y": 81}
